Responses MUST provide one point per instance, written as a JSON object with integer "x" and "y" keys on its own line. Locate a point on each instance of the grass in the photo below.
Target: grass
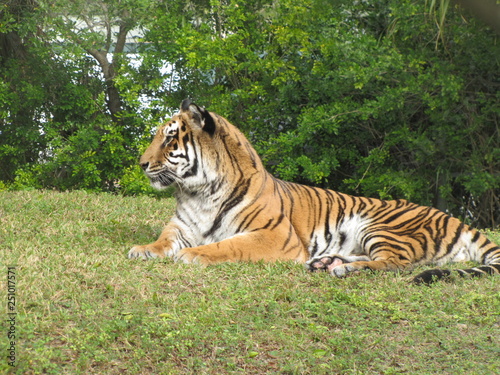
{"x": 84, "y": 308}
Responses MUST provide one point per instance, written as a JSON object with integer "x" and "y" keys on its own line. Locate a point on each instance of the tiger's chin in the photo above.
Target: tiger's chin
{"x": 161, "y": 183}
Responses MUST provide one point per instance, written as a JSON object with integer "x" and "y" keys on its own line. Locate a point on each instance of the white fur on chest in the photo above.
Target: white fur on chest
{"x": 203, "y": 222}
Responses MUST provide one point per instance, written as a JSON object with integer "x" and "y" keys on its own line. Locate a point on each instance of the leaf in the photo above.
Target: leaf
{"x": 166, "y": 316}
{"x": 318, "y": 353}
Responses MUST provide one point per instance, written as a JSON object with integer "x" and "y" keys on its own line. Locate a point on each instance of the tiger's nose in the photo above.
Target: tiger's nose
{"x": 144, "y": 166}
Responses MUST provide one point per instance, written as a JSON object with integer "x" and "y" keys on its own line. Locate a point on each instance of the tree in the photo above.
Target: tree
{"x": 100, "y": 28}
{"x": 86, "y": 131}
{"x": 369, "y": 98}
{"x": 19, "y": 97}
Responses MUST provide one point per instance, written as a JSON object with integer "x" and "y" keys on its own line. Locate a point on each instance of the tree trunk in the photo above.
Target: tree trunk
{"x": 114, "y": 101}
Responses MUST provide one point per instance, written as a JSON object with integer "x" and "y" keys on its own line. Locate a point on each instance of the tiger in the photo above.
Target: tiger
{"x": 230, "y": 208}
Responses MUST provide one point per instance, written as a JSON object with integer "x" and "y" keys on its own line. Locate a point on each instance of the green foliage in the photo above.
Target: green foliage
{"x": 59, "y": 129}
{"x": 370, "y": 99}
{"x": 390, "y": 99}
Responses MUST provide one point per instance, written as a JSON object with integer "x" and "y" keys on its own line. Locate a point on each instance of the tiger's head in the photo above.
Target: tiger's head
{"x": 174, "y": 153}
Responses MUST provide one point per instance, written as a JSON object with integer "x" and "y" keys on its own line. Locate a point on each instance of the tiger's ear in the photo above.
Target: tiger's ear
{"x": 200, "y": 116}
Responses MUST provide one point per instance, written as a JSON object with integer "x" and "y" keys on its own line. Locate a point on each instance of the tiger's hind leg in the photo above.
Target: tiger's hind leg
{"x": 374, "y": 265}
{"x": 340, "y": 266}
{"x": 329, "y": 262}
{"x": 386, "y": 251}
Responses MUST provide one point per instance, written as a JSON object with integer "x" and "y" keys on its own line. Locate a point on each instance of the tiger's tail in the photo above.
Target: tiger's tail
{"x": 430, "y": 276}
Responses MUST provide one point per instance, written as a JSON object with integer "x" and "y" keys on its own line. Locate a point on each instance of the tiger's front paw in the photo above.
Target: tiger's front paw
{"x": 145, "y": 252}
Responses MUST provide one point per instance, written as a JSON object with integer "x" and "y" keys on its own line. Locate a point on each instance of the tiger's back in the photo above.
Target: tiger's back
{"x": 229, "y": 208}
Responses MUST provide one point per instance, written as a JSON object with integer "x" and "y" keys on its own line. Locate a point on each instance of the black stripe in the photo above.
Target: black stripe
{"x": 250, "y": 217}
{"x": 342, "y": 239}
{"x": 193, "y": 170}
{"x": 476, "y": 236}
{"x": 487, "y": 253}
{"x": 395, "y": 216}
{"x": 314, "y": 249}
{"x": 279, "y": 221}
{"x": 230, "y": 203}
{"x": 458, "y": 233}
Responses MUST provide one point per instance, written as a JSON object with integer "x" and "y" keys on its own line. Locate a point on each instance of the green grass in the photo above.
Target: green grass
{"x": 84, "y": 308}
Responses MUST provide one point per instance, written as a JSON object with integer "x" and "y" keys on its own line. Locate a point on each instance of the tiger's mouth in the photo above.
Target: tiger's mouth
{"x": 161, "y": 180}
